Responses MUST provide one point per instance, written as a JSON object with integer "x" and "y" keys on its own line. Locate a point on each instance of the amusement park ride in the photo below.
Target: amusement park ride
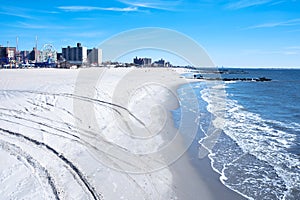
{"x": 46, "y": 57}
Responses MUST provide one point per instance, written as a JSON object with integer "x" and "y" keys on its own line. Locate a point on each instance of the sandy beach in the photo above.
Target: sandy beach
{"x": 98, "y": 133}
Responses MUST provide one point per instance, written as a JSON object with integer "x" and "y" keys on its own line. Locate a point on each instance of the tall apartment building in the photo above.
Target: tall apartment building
{"x": 159, "y": 63}
{"x": 95, "y": 56}
{"x": 75, "y": 55}
{"x": 142, "y": 61}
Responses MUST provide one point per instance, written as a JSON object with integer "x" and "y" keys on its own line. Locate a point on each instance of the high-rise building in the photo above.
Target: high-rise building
{"x": 95, "y": 56}
{"x": 159, "y": 63}
{"x": 75, "y": 55}
{"x": 147, "y": 61}
{"x": 138, "y": 61}
{"x": 142, "y": 61}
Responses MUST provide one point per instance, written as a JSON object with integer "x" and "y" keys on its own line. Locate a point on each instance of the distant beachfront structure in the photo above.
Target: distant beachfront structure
{"x": 7, "y": 54}
{"x": 14, "y": 58}
{"x": 142, "y": 61}
{"x": 81, "y": 56}
{"x": 147, "y": 62}
{"x": 75, "y": 55}
{"x": 47, "y": 56}
{"x": 94, "y": 57}
{"x": 161, "y": 63}
{"x": 29, "y": 56}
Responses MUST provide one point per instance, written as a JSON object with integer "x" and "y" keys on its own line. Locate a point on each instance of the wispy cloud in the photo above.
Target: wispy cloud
{"x": 248, "y": 3}
{"x": 285, "y": 51}
{"x": 24, "y": 25}
{"x": 15, "y": 14}
{"x": 293, "y": 48}
{"x": 29, "y": 26}
{"x": 15, "y": 11}
{"x": 24, "y": 13}
{"x": 47, "y": 12}
{"x": 293, "y": 31}
{"x": 88, "y": 34}
{"x": 84, "y": 18}
{"x": 155, "y": 4}
{"x": 92, "y": 8}
{"x": 276, "y": 3}
{"x": 292, "y": 22}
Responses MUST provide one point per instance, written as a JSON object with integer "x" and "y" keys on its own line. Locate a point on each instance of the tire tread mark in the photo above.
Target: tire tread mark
{"x": 31, "y": 161}
{"x": 91, "y": 189}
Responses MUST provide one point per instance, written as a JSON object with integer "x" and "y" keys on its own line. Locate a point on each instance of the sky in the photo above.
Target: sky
{"x": 234, "y": 33}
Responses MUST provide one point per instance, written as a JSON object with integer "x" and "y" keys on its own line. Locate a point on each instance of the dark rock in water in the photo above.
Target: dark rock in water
{"x": 198, "y": 76}
{"x": 262, "y": 79}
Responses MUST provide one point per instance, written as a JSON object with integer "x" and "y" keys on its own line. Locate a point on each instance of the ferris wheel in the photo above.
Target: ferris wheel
{"x": 48, "y": 53}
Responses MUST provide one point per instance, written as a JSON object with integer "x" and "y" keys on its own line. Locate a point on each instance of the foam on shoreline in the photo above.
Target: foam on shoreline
{"x": 200, "y": 180}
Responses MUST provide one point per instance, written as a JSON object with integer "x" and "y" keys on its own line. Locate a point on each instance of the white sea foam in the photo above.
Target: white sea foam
{"x": 255, "y": 136}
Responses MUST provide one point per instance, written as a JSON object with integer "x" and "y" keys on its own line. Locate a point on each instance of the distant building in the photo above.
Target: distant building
{"x": 147, "y": 61}
{"x": 138, "y": 61}
{"x": 24, "y": 56}
{"x": 8, "y": 53}
{"x": 34, "y": 55}
{"x": 168, "y": 64}
{"x": 94, "y": 56}
{"x": 159, "y": 63}
{"x": 59, "y": 56}
{"x": 7, "y": 56}
{"x": 75, "y": 55}
{"x": 142, "y": 61}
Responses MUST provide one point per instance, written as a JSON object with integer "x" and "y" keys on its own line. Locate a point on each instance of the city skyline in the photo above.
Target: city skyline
{"x": 241, "y": 33}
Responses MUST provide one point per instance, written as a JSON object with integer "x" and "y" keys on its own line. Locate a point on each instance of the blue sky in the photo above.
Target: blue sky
{"x": 242, "y": 33}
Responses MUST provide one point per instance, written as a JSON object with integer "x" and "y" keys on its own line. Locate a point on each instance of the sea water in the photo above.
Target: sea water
{"x": 257, "y": 153}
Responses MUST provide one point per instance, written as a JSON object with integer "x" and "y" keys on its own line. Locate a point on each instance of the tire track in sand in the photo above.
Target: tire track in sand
{"x": 91, "y": 189}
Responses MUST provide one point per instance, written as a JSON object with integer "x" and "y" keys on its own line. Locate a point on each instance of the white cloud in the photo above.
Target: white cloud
{"x": 292, "y": 22}
{"x": 277, "y": 2}
{"x": 88, "y": 34}
{"x": 84, "y": 18}
{"x": 293, "y": 47}
{"x": 294, "y": 31}
{"x": 273, "y": 52}
{"x": 293, "y": 50}
{"x": 155, "y": 4}
{"x": 92, "y": 8}
{"x": 16, "y": 14}
{"x": 29, "y": 26}
{"x": 24, "y": 13}
{"x": 247, "y": 3}
{"x": 36, "y": 26}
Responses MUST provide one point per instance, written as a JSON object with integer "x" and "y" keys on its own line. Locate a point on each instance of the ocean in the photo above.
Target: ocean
{"x": 257, "y": 150}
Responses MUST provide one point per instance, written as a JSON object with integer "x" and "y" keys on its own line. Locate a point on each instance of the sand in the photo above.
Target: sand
{"x": 98, "y": 134}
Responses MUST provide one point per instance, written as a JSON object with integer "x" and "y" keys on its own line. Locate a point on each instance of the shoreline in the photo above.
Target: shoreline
{"x": 194, "y": 177}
